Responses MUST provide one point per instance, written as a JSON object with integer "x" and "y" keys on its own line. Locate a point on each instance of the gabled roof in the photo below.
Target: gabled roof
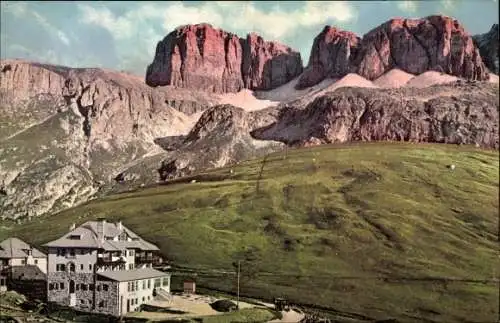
{"x": 89, "y": 238}
{"x": 128, "y": 275}
{"x": 17, "y": 248}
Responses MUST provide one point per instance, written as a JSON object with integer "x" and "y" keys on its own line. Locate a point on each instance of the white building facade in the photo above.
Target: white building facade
{"x": 94, "y": 266}
{"x": 15, "y": 252}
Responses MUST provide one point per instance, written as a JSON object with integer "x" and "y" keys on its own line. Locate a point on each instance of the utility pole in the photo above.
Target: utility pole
{"x": 238, "y": 297}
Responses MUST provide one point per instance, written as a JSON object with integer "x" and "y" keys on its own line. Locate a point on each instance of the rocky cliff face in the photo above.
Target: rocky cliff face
{"x": 456, "y": 114}
{"x": 68, "y": 131}
{"x": 488, "y": 47}
{"x": 220, "y": 137}
{"x": 332, "y": 55}
{"x": 68, "y": 135}
{"x": 417, "y": 45}
{"x": 210, "y": 59}
{"x": 413, "y": 45}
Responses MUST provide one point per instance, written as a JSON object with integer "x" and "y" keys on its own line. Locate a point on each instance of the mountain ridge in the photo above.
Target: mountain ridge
{"x": 109, "y": 131}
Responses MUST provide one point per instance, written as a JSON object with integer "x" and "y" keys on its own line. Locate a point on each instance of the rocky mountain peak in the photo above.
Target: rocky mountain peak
{"x": 488, "y": 47}
{"x": 437, "y": 43}
{"x": 206, "y": 58}
{"x": 332, "y": 55}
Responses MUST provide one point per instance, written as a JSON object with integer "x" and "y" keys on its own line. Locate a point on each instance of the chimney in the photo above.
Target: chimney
{"x": 101, "y": 225}
{"x": 119, "y": 225}
{"x": 72, "y": 227}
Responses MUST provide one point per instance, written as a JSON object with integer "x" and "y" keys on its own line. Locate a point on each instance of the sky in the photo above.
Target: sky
{"x": 123, "y": 35}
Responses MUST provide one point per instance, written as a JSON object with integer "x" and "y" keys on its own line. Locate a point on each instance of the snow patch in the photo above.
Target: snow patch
{"x": 395, "y": 78}
{"x": 430, "y": 78}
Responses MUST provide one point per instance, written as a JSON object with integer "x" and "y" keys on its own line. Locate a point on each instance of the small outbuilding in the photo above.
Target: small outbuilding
{"x": 189, "y": 286}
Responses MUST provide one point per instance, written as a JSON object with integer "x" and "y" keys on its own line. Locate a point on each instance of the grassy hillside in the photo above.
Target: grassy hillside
{"x": 324, "y": 225}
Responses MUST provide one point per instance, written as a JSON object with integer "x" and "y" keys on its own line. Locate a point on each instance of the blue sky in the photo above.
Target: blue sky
{"x": 123, "y": 35}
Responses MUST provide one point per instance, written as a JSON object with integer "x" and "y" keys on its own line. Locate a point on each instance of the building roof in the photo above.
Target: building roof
{"x": 27, "y": 272}
{"x": 17, "y": 248}
{"x": 89, "y": 233}
{"x": 135, "y": 274}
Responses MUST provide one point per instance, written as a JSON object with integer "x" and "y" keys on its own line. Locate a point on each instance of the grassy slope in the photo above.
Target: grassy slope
{"x": 324, "y": 222}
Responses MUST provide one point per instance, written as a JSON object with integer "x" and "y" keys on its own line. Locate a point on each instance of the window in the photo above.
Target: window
{"x": 102, "y": 303}
{"x": 82, "y": 301}
{"x": 82, "y": 251}
{"x": 77, "y": 286}
{"x": 105, "y": 287}
{"x": 149, "y": 283}
{"x": 136, "y": 285}
{"x": 51, "y": 286}
{"x": 136, "y": 301}
{"x": 74, "y": 237}
{"x": 143, "y": 298}
{"x": 72, "y": 252}
{"x": 60, "y": 267}
{"x": 143, "y": 284}
{"x": 36, "y": 261}
{"x": 84, "y": 286}
{"x": 129, "y": 287}
{"x": 148, "y": 297}
{"x": 91, "y": 287}
{"x": 61, "y": 285}
{"x": 130, "y": 266}
{"x": 90, "y": 266}
{"x": 165, "y": 281}
{"x": 63, "y": 252}
{"x": 132, "y": 252}
{"x": 72, "y": 267}
{"x": 23, "y": 262}
{"x": 157, "y": 282}
{"x": 98, "y": 288}
{"x": 89, "y": 301}
{"x": 58, "y": 251}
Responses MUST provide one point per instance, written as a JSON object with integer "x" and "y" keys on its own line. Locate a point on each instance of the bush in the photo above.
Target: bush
{"x": 224, "y": 305}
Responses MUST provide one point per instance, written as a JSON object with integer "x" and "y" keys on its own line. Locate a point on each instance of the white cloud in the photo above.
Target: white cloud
{"x": 20, "y": 9}
{"x": 408, "y": 6}
{"x": 50, "y": 28}
{"x": 16, "y": 8}
{"x": 62, "y": 36}
{"x": 242, "y": 16}
{"x": 120, "y": 27}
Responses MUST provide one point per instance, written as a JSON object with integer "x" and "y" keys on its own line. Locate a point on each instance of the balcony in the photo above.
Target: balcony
{"x": 109, "y": 259}
{"x": 147, "y": 259}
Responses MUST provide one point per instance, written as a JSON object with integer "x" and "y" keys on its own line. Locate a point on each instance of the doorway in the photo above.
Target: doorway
{"x": 71, "y": 286}
{"x": 128, "y": 305}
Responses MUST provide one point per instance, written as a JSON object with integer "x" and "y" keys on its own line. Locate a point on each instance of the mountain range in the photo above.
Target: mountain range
{"x": 211, "y": 98}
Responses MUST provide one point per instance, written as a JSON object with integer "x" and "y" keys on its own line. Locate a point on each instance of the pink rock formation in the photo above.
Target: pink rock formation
{"x": 205, "y": 58}
{"x": 418, "y": 45}
{"x": 415, "y": 46}
{"x": 331, "y": 56}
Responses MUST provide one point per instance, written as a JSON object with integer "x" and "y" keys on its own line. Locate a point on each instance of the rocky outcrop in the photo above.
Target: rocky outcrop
{"x": 205, "y": 58}
{"x": 64, "y": 130}
{"x": 220, "y": 137}
{"x": 415, "y": 46}
{"x": 268, "y": 65}
{"x": 467, "y": 116}
{"x": 332, "y": 55}
{"x": 488, "y": 47}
